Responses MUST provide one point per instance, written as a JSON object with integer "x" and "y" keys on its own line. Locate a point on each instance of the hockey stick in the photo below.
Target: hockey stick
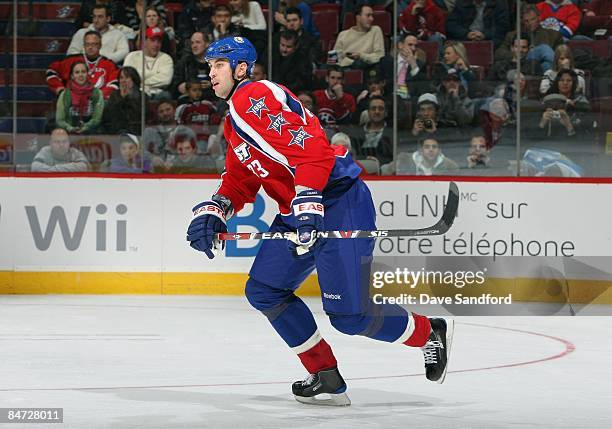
{"x": 441, "y": 227}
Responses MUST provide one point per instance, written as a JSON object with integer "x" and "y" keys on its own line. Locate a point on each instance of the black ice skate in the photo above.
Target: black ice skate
{"x": 326, "y": 387}
{"x": 437, "y": 349}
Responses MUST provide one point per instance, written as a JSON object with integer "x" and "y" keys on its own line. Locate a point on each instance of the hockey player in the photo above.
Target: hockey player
{"x": 278, "y": 145}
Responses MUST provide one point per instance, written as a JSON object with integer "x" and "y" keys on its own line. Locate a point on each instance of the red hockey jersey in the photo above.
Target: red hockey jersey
{"x": 103, "y": 73}
{"x": 564, "y": 18}
{"x": 276, "y": 143}
{"x": 199, "y": 116}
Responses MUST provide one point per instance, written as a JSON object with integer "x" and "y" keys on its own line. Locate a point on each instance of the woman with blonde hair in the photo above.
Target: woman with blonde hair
{"x": 454, "y": 60}
{"x": 247, "y": 14}
{"x": 564, "y": 60}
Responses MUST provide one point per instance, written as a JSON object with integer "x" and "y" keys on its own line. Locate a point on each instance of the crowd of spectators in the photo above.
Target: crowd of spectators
{"x": 133, "y": 61}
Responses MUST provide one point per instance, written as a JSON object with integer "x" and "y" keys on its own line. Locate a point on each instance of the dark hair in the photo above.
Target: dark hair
{"x": 263, "y": 66}
{"x": 192, "y": 83}
{"x": 312, "y": 97}
{"x": 377, "y": 97}
{"x": 360, "y": 7}
{"x": 74, "y": 64}
{"x": 166, "y": 101}
{"x": 530, "y": 8}
{"x": 293, "y": 11}
{"x": 554, "y": 88}
{"x": 423, "y": 140}
{"x": 222, "y": 7}
{"x": 335, "y": 68}
{"x": 184, "y": 137}
{"x": 107, "y": 9}
{"x": 404, "y": 35}
{"x": 93, "y": 32}
{"x": 204, "y": 35}
{"x": 290, "y": 35}
{"x": 132, "y": 73}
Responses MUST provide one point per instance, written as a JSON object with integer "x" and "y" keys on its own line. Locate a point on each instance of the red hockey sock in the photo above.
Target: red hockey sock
{"x": 318, "y": 357}
{"x": 422, "y": 329}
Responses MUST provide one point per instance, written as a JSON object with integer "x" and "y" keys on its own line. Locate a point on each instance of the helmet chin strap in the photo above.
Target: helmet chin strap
{"x": 234, "y": 86}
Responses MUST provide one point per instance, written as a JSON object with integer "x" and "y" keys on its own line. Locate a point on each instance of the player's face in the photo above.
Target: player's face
{"x": 128, "y": 150}
{"x": 293, "y": 22}
{"x": 431, "y": 150}
{"x": 92, "y": 44}
{"x": 287, "y": 47}
{"x": 79, "y": 74}
{"x": 334, "y": 78}
{"x": 60, "y": 144}
{"x": 221, "y": 76}
{"x": 100, "y": 20}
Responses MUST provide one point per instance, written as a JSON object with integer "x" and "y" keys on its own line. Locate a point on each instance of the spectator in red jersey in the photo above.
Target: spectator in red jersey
{"x": 200, "y": 115}
{"x": 114, "y": 43}
{"x": 102, "y": 72}
{"x": 560, "y": 15}
{"x": 597, "y": 15}
{"x": 80, "y": 106}
{"x": 333, "y": 101}
{"x": 425, "y": 20}
{"x": 123, "y": 110}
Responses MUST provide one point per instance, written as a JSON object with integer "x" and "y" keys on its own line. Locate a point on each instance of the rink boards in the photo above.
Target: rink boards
{"x": 127, "y": 235}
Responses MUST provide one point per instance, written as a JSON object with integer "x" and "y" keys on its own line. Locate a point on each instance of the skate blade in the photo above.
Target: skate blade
{"x": 450, "y": 328}
{"x": 325, "y": 399}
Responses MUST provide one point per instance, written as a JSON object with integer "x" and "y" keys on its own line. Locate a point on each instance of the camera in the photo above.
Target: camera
{"x": 428, "y": 124}
{"x": 555, "y": 114}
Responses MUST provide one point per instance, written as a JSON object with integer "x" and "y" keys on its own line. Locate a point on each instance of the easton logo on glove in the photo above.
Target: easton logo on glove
{"x": 310, "y": 207}
{"x": 211, "y": 209}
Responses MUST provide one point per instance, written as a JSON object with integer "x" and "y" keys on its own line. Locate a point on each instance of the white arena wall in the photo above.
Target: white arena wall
{"x": 127, "y": 235}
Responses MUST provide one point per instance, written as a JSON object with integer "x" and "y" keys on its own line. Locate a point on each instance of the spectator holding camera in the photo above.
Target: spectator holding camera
{"x": 426, "y": 122}
{"x": 565, "y": 108}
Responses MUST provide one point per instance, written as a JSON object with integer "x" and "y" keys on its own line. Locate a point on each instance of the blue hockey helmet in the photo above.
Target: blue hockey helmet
{"x": 234, "y": 49}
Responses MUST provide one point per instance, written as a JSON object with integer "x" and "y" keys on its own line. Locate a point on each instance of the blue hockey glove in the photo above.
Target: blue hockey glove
{"x": 209, "y": 218}
{"x": 307, "y": 208}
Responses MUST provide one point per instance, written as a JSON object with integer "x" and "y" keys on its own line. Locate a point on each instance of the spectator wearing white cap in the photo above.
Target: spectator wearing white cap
{"x": 426, "y": 121}
{"x": 158, "y": 66}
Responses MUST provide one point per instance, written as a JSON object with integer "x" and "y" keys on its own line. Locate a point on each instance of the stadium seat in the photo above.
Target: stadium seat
{"x": 432, "y": 51}
{"x": 599, "y": 48}
{"x": 351, "y": 77}
{"x": 326, "y": 22}
{"x": 480, "y": 53}
{"x": 58, "y": 11}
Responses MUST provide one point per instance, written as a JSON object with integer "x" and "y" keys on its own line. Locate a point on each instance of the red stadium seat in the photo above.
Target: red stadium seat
{"x": 57, "y": 11}
{"x": 480, "y": 53}
{"x": 599, "y": 48}
{"x": 326, "y": 22}
{"x": 326, "y": 6}
{"x": 351, "y": 77}
{"x": 432, "y": 51}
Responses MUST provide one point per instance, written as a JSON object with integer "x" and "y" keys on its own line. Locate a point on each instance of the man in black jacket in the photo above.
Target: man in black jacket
{"x": 476, "y": 20}
{"x": 289, "y": 66}
{"x": 192, "y": 67}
